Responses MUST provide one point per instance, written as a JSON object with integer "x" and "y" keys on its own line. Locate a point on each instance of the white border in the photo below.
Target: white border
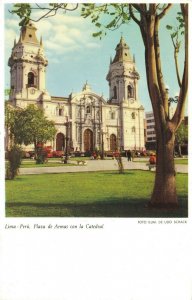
{"x": 123, "y": 261}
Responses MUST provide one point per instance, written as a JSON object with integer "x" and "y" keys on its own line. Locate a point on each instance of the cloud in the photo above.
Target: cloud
{"x": 93, "y": 45}
{"x": 62, "y": 33}
{"x": 12, "y": 23}
{"x": 10, "y": 36}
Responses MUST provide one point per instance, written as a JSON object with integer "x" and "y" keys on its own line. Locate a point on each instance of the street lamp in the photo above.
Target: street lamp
{"x": 102, "y": 145}
{"x": 102, "y": 142}
{"x": 67, "y": 124}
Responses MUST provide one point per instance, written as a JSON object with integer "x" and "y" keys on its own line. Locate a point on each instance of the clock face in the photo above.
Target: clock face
{"x": 32, "y": 91}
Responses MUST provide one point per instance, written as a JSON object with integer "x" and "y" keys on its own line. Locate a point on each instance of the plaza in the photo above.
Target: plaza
{"x": 93, "y": 190}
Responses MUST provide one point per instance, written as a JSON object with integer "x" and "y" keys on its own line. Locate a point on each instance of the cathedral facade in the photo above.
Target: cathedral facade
{"x": 85, "y": 119}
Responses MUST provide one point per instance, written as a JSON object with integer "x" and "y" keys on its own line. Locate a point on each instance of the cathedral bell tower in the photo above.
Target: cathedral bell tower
{"x": 122, "y": 76}
{"x": 27, "y": 67}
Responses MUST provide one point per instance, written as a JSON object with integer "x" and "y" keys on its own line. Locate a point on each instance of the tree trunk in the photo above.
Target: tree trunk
{"x": 164, "y": 193}
{"x": 179, "y": 150}
{"x": 35, "y": 148}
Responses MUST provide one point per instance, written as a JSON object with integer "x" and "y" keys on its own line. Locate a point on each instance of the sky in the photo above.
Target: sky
{"x": 75, "y": 56}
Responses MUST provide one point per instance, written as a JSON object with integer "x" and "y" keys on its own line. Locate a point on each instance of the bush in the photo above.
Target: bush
{"x": 14, "y": 156}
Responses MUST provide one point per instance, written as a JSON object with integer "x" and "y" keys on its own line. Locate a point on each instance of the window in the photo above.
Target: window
{"x": 60, "y": 112}
{"x": 112, "y": 115}
{"x": 130, "y": 91}
{"x": 115, "y": 92}
{"x": 133, "y": 115}
{"x": 149, "y": 115}
{"x": 31, "y": 79}
{"x": 133, "y": 129}
{"x": 151, "y": 132}
{"x": 151, "y": 139}
{"x": 88, "y": 110}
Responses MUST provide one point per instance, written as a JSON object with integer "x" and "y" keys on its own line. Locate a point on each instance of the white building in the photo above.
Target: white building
{"x": 90, "y": 119}
{"x": 150, "y": 127}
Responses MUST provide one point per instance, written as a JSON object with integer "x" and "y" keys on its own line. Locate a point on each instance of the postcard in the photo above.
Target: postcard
{"x": 95, "y": 155}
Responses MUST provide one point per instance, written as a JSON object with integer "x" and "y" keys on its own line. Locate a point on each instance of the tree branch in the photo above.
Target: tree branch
{"x": 140, "y": 8}
{"x": 50, "y": 11}
{"x": 133, "y": 16}
{"x": 176, "y": 50}
{"x": 163, "y": 13}
{"x": 161, "y": 83}
{"x": 152, "y": 8}
{"x": 180, "y": 110}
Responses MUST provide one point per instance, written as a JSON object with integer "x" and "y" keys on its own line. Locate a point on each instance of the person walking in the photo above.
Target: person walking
{"x": 129, "y": 155}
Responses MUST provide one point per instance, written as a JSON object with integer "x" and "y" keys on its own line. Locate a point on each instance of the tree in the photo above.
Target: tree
{"x": 14, "y": 152}
{"x": 14, "y": 156}
{"x": 9, "y": 122}
{"x": 148, "y": 18}
{"x": 181, "y": 137}
{"x": 30, "y": 126}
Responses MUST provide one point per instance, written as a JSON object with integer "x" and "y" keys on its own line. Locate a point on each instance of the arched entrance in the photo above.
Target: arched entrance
{"x": 88, "y": 140}
{"x": 60, "y": 142}
{"x": 113, "y": 142}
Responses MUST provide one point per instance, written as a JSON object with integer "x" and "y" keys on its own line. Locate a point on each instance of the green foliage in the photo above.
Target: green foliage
{"x": 9, "y": 115}
{"x": 24, "y": 10}
{"x": 7, "y": 92}
{"x": 169, "y": 27}
{"x": 181, "y": 135}
{"x": 91, "y": 194}
{"x": 9, "y": 118}
{"x": 117, "y": 14}
{"x": 176, "y": 32}
{"x": 29, "y": 125}
{"x": 14, "y": 156}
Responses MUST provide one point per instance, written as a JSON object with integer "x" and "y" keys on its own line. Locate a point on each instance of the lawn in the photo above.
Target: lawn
{"x": 52, "y": 162}
{"x": 32, "y": 164}
{"x": 94, "y": 194}
{"x": 178, "y": 161}
{"x": 181, "y": 161}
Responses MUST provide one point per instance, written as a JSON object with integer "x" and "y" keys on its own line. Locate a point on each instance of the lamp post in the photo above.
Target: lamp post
{"x": 67, "y": 124}
{"x": 102, "y": 142}
{"x": 102, "y": 145}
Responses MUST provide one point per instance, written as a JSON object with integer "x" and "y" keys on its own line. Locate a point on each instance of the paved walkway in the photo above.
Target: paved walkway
{"x": 96, "y": 165}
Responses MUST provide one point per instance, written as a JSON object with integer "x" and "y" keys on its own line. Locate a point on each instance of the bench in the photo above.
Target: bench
{"x": 81, "y": 162}
{"x": 151, "y": 166}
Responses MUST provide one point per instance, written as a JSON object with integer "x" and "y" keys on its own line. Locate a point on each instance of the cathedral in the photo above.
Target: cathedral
{"x": 85, "y": 120}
